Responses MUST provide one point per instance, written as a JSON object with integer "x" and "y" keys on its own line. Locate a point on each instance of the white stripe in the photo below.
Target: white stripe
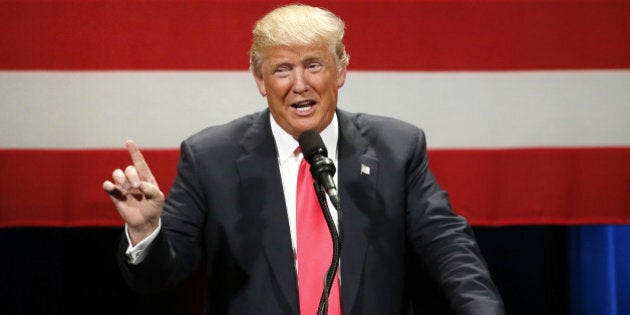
{"x": 457, "y": 109}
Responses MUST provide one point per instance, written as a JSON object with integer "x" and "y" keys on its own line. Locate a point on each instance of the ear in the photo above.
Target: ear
{"x": 342, "y": 78}
{"x": 260, "y": 83}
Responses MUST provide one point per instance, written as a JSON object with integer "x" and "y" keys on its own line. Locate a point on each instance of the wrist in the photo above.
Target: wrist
{"x": 141, "y": 232}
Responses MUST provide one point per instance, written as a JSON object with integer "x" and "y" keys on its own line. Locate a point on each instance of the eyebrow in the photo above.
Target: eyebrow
{"x": 280, "y": 64}
{"x": 311, "y": 57}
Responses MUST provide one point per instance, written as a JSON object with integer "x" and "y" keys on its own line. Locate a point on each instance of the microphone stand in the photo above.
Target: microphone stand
{"x": 332, "y": 271}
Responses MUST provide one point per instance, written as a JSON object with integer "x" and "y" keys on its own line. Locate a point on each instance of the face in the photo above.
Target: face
{"x": 301, "y": 85}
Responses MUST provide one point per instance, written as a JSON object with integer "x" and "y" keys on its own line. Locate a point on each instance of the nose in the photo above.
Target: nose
{"x": 300, "y": 82}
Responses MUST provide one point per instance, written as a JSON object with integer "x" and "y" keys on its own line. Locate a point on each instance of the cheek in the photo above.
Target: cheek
{"x": 277, "y": 88}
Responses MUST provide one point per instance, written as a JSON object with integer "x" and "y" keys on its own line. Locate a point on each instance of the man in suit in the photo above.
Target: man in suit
{"x": 233, "y": 205}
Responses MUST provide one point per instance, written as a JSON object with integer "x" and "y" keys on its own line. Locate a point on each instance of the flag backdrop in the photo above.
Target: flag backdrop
{"x": 526, "y": 103}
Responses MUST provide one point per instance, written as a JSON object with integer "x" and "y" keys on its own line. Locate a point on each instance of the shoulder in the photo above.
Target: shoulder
{"x": 381, "y": 130}
{"x": 226, "y": 135}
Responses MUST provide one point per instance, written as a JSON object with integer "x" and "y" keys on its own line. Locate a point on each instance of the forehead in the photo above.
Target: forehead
{"x": 277, "y": 54}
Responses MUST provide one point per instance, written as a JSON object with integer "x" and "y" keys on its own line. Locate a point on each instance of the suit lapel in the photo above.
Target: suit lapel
{"x": 261, "y": 181}
{"x": 358, "y": 172}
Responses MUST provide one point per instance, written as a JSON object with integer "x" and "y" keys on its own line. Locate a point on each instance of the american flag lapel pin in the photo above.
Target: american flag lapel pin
{"x": 365, "y": 170}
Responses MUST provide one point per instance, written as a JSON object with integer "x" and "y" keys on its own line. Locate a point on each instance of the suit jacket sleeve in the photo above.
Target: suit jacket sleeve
{"x": 443, "y": 242}
{"x": 175, "y": 252}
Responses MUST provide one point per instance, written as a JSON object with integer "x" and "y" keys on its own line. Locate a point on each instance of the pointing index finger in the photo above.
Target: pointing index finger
{"x": 138, "y": 162}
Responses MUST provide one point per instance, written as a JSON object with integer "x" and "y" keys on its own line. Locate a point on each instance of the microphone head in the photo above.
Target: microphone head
{"x": 312, "y": 144}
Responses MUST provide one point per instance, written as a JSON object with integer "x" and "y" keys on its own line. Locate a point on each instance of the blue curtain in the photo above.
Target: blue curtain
{"x": 599, "y": 268}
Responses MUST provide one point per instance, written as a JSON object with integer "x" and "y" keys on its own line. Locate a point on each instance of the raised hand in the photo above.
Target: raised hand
{"x": 136, "y": 195}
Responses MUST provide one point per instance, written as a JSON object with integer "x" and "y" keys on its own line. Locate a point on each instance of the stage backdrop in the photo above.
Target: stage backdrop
{"x": 525, "y": 103}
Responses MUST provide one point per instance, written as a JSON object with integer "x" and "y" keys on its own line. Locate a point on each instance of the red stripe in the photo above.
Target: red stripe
{"x": 537, "y": 186}
{"x": 63, "y": 187}
{"x": 381, "y": 35}
{"x": 489, "y": 187}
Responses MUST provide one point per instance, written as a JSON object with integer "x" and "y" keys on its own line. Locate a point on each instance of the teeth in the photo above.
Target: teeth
{"x": 303, "y": 104}
{"x": 303, "y": 108}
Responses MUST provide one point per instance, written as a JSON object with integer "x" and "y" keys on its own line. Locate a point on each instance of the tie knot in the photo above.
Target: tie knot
{"x": 303, "y": 162}
{"x": 304, "y": 165}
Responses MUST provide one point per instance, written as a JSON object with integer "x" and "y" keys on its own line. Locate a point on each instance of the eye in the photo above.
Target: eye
{"x": 314, "y": 66}
{"x": 281, "y": 71}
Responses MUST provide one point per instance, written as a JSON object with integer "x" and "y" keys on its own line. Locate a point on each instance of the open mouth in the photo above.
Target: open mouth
{"x": 303, "y": 106}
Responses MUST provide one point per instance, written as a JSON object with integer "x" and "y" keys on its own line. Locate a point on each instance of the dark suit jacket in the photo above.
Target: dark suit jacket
{"x": 227, "y": 207}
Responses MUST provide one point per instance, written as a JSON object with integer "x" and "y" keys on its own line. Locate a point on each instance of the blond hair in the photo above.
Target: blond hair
{"x": 298, "y": 25}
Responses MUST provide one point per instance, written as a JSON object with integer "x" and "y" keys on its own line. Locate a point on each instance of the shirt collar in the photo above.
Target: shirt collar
{"x": 286, "y": 145}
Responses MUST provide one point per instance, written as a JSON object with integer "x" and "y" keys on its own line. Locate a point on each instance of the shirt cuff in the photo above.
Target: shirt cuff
{"x": 136, "y": 254}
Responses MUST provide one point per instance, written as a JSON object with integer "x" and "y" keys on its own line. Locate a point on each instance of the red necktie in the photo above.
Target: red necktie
{"x": 314, "y": 248}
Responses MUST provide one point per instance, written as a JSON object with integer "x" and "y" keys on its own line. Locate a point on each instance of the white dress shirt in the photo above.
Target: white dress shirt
{"x": 289, "y": 164}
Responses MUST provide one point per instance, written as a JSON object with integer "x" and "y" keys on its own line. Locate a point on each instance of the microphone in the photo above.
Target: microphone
{"x": 322, "y": 168}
